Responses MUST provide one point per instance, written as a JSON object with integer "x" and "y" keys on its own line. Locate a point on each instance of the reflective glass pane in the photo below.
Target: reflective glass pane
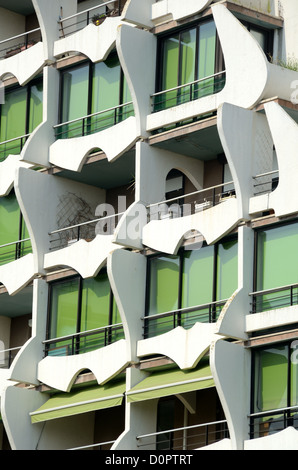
{"x": 64, "y": 308}
{"x": 9, "y": 227}
{"x": 36, "y": 106}
{"x": 206, "y": 58}
{"x": 227, "y": 269}
{"x": 95, "y": 302}
{"x": 13, "y": 122}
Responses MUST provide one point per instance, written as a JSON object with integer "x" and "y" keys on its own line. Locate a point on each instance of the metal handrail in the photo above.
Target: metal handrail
{"x": 15, "y": 243}
{"x": 268, "y": 173}
{"x": 200, "y": 191}
{"x": 270, "y": 291}
{"x": 83, "y": 333}
{"x": 90, "y": 446}
{"x": 92, "y": 115}
{"x": 184, "y": 309}
{"x": 100, "y": 219}
{"x": 274, "y": 411}
{"x": 184, "y": 428}
{"x": 85, "y": 11}
{"x": 14, "y": 139}
{"x": 19, "y": 35}
{"x": 187, "y": 84}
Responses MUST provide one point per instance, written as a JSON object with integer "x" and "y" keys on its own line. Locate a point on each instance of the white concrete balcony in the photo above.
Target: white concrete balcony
{"x": 96, "y": 15}
{"x": 16, "y": 44}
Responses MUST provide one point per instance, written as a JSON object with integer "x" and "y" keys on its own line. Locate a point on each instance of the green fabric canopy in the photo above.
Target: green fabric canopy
{"x": 80, "y": 401}
{"x": 171, "y": 382}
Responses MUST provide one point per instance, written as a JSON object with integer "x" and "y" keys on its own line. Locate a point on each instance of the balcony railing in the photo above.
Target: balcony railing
{"x": 191, "y": 203}
{"x": 12, "y": 146}
{"x": 84, "y": 341}
{"x": 7, "y": 356}
{"x": 265, "y": 182}
{"x": 66, "y": 236}
{"x": 188, "y": 92}
{"x": 99, "y": 446}
{"x": 76, "y": 22}
{"x": 266, "y": 423}
{"x": 16, "y": 44}
{"x": 160, "y": 323}
{"x": 279, "y": 297}
{"x": 94, "y": 122}
{"x": 14, "y": 250}
{"x": 185, "y": 438}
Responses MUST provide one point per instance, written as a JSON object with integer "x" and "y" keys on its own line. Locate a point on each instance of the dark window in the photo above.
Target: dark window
{"x": 263, "y": 36}
{"x": 274, "y": 387}
{"x": 20, "y": 115}
{"x": 185, "y": 288}
{"x": 188, "y": 57}
{"x": 91, "y": 95}
{"x": 84, "y": 306}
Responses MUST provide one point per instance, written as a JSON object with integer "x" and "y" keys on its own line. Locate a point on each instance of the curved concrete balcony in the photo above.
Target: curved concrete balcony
{"x": 91, "y": 32}
{"x": 24, "y": 65}
{"x": 245, "y": 65}
{"x": 112, "y": 130}
{"x": 211, "y": 213}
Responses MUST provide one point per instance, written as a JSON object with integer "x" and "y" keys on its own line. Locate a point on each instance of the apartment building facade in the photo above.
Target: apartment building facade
{"x": 148, "y": 214}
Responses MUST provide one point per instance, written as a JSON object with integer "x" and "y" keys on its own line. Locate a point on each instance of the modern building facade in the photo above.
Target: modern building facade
{"x": 148, "y": 225}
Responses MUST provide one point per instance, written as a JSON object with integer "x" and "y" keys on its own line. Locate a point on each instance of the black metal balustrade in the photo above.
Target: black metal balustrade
{"x": 185, "y": 438}
{"x": 160, "y": 323}
{"x": 94, "y": 15}
{"x": 188, "y": 92}
{"x": 16, "y": 44}
{"x": 279, "y": 297}
{"x": 266, "y": 423}
{"x": 12, "y": 146}
{"x": 14, "y": 250}
{"x": 265, "y": 182}
{"x": 84, "y": 341}
{"x": 93, "y": 123}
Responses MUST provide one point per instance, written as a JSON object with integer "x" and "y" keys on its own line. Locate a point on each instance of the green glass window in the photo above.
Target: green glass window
{"x": 194, "y": 278}
{"x": 185, "y": 57}
{"x": 89, "y": 89}
{"x": 277, "y": 265}
{"x": 274, "y": 388}
{"x": 20, "y": 115}
{"x": 227, "y": 269}
{"x": 82, "y": 306}
{"x": 164, "y": 284}
{"x": 12, "y": 229}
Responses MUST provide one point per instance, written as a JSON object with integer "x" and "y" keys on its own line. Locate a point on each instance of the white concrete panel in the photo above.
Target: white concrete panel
{"x": 138, "y": 13}
{"x": 16, "y": 404}
{"x": 168, "y": 234}
{"x": 129, "y": 293}
{"x": 95, "y": 42}
{"x": 25, "y": 65}
{"x": 16, "y": 274}
{"x": 139, "y": 73}
{"x": 177, "y": 9}
{"x": 24, "y": 367}
{"x": 113, "y": 141}
{"x": 184, "y": 347}
{"x": 271, "y": 318}
{"x": 232, "y": 319}
{"x": 283, "y": 440}
{"x": 7, "y": 172}
{"x": 230, "y": 367}
{"x": 86, "y": 258}
{"x": 105, "y": 363}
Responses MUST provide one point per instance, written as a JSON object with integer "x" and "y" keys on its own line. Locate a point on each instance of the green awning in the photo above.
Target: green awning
{"x": 171, "y": 382}
{"x": 84, "y": 400}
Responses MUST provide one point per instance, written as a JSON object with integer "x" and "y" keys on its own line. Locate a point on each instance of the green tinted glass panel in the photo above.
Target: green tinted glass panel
{"x": 105, "y": 93}
{"x": 294, "y": 373}
{"x": 95, "y": 302}
{"x": 13, "y": 122}
{"x": 170, "y": 68}
{"x": 25, "y": 247}
{"x": 75, "y": 88}
{"x": 197, "y": 283}
{"x": 164, "y": 284}
{"x": 187, "y": 63}
{"x": 9, "y": 227}
{"x": 206, "y": 58}
{"x": 36, "y": 106}
{"x": 277, "y": 257}
{"x": 271, "y": 374}
{"x": 64, "y": 309}
{"x": 227, "y": 269}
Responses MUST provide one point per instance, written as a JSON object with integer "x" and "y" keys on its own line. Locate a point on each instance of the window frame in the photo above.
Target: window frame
{"x": 218, "y": 62}
{"x": 269, "y": 36}
{"x": 80, "y": 280}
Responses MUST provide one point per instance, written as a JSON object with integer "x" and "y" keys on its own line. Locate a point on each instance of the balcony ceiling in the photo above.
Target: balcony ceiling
{"x": 23, "y": 7}
{"x": 197, "y": 140}
{"x": 16, "y": 305}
